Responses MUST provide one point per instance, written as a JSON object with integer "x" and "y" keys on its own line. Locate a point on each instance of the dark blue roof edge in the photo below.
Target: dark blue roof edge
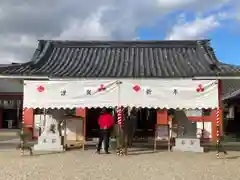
{"x": 137, "y": 43}
{"x": 43, "y": 52}
{"x": 231, "y": 95}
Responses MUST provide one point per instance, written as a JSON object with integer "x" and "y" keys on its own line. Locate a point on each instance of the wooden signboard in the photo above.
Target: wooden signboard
{"x": 161, "y": 134}
{"x": 74, "y": 131}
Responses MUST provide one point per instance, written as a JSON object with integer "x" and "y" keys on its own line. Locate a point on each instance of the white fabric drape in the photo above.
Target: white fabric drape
{"x": 162, "y": 93}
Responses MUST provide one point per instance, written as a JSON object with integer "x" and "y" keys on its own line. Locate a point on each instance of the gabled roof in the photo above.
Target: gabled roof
{"x": 159, "y": 59}
{"x": 230, "y": 89}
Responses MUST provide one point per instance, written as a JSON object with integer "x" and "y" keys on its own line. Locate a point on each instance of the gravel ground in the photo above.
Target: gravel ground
{"x": 86, "y": 165}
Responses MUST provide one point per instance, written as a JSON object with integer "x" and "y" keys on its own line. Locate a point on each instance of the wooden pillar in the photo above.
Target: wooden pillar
{"x": 214, "y": 124}
{"x": 214, "y": 114}
{"x": 28, "y": 119}
{"x": 82, "y": 112}
{"x": 162, "y": 116}
{"x": 220, "y": 104}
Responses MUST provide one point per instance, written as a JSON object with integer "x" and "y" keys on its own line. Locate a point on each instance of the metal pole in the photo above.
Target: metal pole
{"x": 22, "y": 133}
{"x": 170, "y": 132}
{"x": 120, "y": 140}
{"x": 218, "y": 131}
{"x": 125, "y": 131}
{"x": 18, "y": 113}
{"x": 44, "y": 119}
{"x": 218, "y": 111}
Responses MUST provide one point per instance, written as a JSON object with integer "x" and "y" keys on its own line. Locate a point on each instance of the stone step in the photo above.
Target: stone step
{"x": 9, "y": 132}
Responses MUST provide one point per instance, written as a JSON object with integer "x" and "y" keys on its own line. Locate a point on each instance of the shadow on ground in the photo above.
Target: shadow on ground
{"x": 138, "y": 148}
{"x": 232, "y": 157}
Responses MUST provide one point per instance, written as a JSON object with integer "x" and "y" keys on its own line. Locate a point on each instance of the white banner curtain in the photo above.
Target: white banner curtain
{"x": 70, "y": 94}
{"x": 157, "y": 93}
{"x": 184, "y": 93}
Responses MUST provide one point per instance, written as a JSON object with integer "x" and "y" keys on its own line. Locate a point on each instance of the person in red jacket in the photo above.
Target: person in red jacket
{"x": 105, "y": 122}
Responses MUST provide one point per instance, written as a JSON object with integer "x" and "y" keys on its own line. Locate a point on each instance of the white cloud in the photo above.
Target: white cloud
{"x": 194, "y": 5}
{"x": 24, "y": 22}
{"x": 175, "y": 4}
{"x": 196, "y": 29}
{"x": 90, "y": 28}
{"x": 7, "y": 57}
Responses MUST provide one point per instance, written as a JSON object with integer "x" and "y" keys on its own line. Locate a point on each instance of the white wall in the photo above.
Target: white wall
{"x": 11, "y": 86}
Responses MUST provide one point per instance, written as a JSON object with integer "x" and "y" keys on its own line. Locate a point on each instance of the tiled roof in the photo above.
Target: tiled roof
{"x": 230, "y": 89}
{"x": 121, "y": 59}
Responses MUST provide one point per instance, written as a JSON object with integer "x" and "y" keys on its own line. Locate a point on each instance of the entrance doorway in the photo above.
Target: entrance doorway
{"x": 10, "y": 119}
{"x": 147, "y": 119}
{"x": 232, "y": 126}
{"x": 145, "y": 125}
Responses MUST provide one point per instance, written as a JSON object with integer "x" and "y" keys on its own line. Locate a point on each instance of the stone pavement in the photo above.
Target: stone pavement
{"x": 142, "y": 165}
{"x": 8, "y": 139}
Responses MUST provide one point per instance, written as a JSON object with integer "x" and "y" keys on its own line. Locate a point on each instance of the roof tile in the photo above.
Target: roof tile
{"x": 157, "y": 59}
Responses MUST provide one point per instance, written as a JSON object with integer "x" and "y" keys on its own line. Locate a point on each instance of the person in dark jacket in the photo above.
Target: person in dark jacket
{"x": 132, "y": 125}
{"x": 106, "y": 122}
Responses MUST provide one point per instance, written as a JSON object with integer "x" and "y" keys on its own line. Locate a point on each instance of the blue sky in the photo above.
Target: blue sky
{"x": 224, "y": 41}
{"x": 226, "y": 45}
{"x": 224, "y": 36}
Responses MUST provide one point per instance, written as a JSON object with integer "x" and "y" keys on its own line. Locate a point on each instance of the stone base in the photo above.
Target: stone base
{"x": 188, "y": 145}
{"x": 49, "y": 142}
{"x": 41, "y": 147}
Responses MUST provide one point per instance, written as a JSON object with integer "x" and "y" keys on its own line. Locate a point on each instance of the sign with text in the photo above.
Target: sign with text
{"x": 162, "y": 132}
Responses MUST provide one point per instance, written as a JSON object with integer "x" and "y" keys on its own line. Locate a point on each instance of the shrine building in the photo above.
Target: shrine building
{"x": 155, "y": 76}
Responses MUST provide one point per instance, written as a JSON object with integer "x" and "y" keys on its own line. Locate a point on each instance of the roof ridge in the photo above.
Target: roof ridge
{"x": 207, "y": 48}
{"x": 42, "y": 49}
{"x": 124, "y": 43}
